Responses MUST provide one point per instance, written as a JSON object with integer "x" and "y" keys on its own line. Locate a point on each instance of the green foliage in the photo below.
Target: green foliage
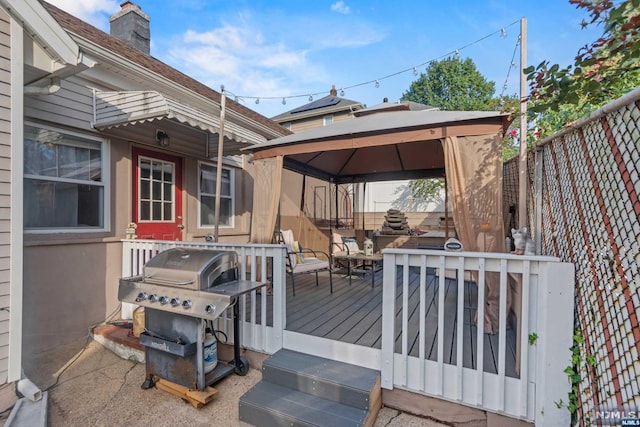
{"x": 573, "y": 371}
{"x": 533, "y": 337}
{"x": 426, "y": 189}
{"x": 603, "y": 70}
{"x": 452, "y": 84}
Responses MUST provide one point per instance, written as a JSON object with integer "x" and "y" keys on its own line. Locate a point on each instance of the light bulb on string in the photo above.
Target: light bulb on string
{"x": 257, "y": 100}
{"x": 284, "y": 101}
{"x": 235, "y": 98}
{"x": 341, "y": 92}
{"x": 415, "y": 71}
{"x": 503, "y": 33}
{"x": 457, "y": 54}
{"x": 377, "y": 83}
{"x": 310, "y": 98}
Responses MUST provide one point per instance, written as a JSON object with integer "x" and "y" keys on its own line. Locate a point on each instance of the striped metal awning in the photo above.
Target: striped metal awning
{"x": 122, "y": 109}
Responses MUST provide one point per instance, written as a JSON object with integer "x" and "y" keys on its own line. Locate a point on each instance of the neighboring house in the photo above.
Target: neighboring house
{"x": 321, "y": 112}
{"x": 98, "y": 134}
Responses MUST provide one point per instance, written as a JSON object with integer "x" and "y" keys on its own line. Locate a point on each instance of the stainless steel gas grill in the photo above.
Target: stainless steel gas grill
{"x": 182, "y": 289}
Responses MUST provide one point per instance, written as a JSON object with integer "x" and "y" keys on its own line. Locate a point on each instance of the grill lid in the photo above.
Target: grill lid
{"x": 190, "y": 267}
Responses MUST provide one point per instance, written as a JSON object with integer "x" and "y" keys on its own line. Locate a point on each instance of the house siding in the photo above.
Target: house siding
{"x": 5, "y": 193}
{"x": 71, "y": 106}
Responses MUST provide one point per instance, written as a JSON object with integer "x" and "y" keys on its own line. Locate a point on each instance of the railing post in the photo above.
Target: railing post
{"x": 388, "y": 319}
{"x": 279, "y": 290}
{"x": 555, "y": 319}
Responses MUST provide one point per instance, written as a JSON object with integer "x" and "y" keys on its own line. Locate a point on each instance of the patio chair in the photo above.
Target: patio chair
{"x": 302, "y": 260}
{"x": 343, "y": 244}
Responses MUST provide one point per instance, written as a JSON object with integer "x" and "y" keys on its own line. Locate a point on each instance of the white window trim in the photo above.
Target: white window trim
{"x": 232, "y": 176}
{"x": 173, "y": 192}
{"x": 325, "y": 118}
{"x": 106, "y": 185}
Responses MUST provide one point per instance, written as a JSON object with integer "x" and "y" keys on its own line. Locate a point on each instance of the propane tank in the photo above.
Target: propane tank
{"x": 210, "y": 351}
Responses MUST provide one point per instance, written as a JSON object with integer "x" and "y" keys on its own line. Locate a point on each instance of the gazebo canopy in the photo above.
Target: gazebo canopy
{"x": 379, "y": 147}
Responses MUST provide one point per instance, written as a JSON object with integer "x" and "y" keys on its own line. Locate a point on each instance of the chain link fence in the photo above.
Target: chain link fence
{"x": 587, "y": 209}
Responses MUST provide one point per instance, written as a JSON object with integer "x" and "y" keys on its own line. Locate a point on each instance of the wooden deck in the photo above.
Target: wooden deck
{"x": 353, "y": 314}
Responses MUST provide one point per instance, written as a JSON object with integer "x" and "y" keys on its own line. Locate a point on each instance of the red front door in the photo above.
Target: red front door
{"x": 157, "y": 195}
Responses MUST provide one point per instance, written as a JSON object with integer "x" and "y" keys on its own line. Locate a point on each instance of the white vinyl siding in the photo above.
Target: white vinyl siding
{"x": 72, "y": 105}
{"x": 5, "y": 193}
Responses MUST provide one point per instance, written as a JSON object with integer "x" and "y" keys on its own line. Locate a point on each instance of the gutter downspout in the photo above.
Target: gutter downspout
{"x": 54, "y": 86}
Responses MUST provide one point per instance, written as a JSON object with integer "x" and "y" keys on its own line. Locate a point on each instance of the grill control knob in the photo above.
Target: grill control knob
{"x": 175, "y": 302}
{"x": 210, "y": 308}
{"x": 153, "y": 298}
{"x": 187, "y": 304}
{"x": 163, "y": 300}
{"x": 141, "y": 296}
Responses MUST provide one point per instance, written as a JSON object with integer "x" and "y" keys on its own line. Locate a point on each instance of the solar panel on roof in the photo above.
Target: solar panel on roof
{"x": 327, "y": 101}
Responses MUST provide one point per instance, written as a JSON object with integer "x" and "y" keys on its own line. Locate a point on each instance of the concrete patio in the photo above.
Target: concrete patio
{"x": 100, "y": 388}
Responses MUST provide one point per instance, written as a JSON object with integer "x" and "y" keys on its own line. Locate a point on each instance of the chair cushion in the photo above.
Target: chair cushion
{"x": 351, "y": 244}
{"x": 287, "y": 237}
{"x": 311, "y": 264}
{"x": 297, "y": 248}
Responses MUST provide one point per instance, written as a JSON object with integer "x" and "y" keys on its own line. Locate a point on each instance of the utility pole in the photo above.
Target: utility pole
{"x": 216, "y": 217}
{"x": 522, "y": 176}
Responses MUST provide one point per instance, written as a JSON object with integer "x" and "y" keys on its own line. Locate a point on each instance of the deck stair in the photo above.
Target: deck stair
{"x": 298, "y": 389}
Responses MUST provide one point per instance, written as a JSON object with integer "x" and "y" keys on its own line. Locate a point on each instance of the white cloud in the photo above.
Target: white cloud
{"x": 95, "y": 12}
{"x": 241, "y": 58}
{"x": 340, "y": 7}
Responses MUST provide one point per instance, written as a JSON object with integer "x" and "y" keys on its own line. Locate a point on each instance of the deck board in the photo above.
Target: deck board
{"x": 353, "y": 314}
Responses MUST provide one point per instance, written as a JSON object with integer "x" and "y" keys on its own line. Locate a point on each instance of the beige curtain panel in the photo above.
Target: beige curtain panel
{"x": 474, "y": 183}
{"x": 267, "y": 183}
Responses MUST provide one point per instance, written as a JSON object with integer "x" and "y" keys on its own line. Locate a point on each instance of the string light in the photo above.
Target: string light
{"x": 512, "y": 65}
{"x": 376, "y": 82}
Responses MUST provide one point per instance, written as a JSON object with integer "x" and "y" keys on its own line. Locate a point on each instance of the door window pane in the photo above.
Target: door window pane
{"x": 155, "y": 190}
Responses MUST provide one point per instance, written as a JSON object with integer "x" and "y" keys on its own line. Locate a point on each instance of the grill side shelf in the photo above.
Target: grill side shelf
{"x": 166, "y": 346}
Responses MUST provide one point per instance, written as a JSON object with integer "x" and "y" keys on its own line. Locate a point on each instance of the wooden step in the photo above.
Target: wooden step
{"x": 268, "y": 404}
{"x": 341, "y": 382}
{"x": 298, "y": 389}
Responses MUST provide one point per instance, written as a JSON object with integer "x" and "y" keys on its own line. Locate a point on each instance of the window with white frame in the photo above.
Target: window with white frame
{"x": 207, "y": 191}
{"x": 64, "y": 181}
{"x": 328, "y": 120}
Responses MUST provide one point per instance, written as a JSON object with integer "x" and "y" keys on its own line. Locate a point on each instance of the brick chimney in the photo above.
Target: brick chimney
{"x": 131, "y": 25}
{"x": 333, "y": 91}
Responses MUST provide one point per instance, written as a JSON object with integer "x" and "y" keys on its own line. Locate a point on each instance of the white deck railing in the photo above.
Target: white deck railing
{"x": 545, "y": 303}
{"x": 256, "y": 262}
{"x": 545, "y": 300}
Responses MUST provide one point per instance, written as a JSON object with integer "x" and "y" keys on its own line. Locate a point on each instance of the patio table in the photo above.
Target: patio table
{"x": 373, "y": 261}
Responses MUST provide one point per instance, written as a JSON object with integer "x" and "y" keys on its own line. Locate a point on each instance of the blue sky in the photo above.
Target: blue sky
{"x": 291, "y": 49}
